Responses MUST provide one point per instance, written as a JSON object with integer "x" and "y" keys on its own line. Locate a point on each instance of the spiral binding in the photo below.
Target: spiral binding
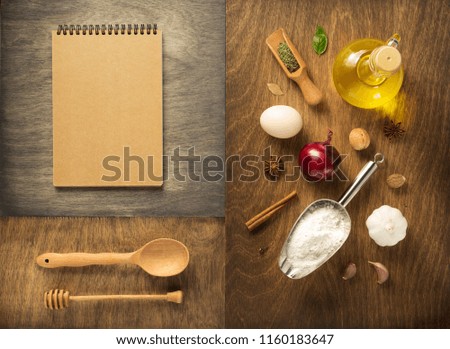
{"x": 103, "y": 29}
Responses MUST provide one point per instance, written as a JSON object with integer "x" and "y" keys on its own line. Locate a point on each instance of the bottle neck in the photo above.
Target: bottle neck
{"x": 384, "y": 61}
{"x": 369, "y": 73}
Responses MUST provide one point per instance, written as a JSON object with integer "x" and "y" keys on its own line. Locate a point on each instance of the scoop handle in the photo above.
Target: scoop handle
{"x": 56, "y": 260}
{"x": 311, "y": 93}
{"x": 362, "y": 177}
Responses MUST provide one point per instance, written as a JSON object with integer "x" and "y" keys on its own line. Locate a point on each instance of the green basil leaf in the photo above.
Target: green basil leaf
{"x": 320, "y": 30}
{"x": 320, "y": 41}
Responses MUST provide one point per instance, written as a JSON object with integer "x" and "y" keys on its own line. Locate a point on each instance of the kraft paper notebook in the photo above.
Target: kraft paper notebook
{"x": 107, "y": 106}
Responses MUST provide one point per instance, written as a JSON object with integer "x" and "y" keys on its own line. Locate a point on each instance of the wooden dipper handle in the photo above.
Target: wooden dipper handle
{"x": 59, "y": 299}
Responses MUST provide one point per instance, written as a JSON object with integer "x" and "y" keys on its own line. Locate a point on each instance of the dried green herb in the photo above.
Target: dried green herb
{"x": 320, "y": 41}
{"x": 287, "y": 57}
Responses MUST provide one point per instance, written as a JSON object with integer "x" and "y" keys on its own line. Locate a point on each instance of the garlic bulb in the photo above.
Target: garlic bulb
{"x": 387, "y": 226}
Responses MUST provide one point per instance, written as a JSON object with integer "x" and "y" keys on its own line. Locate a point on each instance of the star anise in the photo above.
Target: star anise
{"x": 392, "y": 129}
{"x": 274, "y": 166}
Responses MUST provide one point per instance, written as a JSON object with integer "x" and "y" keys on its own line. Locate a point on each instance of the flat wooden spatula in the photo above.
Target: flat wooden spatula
{"x": 310, "y": 92}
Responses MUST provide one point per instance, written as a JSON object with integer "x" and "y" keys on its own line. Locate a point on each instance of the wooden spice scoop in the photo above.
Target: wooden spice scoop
{"x": 59, "y": 299}
{"x": 311, "y": 93}
{"x": 264, "y": 215}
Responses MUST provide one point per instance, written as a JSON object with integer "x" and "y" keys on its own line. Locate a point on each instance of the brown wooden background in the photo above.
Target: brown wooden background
{"x": 257, "y": 293}
{"x": 23, "y": 282}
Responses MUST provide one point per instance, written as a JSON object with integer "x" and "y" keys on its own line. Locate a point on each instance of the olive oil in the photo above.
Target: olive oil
{"x": 367, "y": 73}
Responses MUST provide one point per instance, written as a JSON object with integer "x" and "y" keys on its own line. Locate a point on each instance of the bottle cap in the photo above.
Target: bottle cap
{"x": 388, "y": 59}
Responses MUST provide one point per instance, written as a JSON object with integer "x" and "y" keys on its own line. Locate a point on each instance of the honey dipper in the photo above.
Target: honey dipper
{"x": 59, "y": 299}
{"x": 310, "y": 92}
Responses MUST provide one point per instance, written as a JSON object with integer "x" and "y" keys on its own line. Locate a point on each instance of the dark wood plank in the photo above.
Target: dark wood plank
{"x": 194, "y": 106}
{"x": 257, "y": 293}
{"x": 23, "y": 283}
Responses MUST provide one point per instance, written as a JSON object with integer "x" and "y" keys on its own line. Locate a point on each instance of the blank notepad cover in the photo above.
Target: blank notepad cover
{"x": 107, "y": 109}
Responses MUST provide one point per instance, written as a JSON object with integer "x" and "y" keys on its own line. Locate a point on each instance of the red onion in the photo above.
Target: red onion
{"x": 317, "y": 159}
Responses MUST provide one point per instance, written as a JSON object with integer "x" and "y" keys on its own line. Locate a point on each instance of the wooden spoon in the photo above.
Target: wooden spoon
{"x": 311, "y": 93}
{"x": 160, "y": 257}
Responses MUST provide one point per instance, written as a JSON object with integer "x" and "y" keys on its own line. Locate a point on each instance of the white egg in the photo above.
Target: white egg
{"x": 281, "y": 121}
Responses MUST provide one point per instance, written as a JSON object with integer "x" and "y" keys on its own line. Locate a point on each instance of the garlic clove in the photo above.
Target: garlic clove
{"x": 350, "y": 271}
{"x": 382, "y": 272}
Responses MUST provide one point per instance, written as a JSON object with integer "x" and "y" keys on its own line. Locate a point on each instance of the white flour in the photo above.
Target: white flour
{"x": 320, "y": 234}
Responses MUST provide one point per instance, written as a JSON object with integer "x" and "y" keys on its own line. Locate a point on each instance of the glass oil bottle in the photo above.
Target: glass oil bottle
{"x": 367, "y": 73}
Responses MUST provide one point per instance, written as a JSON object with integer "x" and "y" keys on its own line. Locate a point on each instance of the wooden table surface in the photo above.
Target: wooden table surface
{"x": 257, "y": 293}
{"x": 23, "y": 282}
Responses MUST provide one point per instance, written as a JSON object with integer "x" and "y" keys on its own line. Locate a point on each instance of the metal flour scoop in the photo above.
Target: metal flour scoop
{"x": 321, "y": 229}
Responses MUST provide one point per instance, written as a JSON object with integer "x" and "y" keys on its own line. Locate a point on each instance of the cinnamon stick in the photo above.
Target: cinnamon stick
{"x": 268, "y": 212}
